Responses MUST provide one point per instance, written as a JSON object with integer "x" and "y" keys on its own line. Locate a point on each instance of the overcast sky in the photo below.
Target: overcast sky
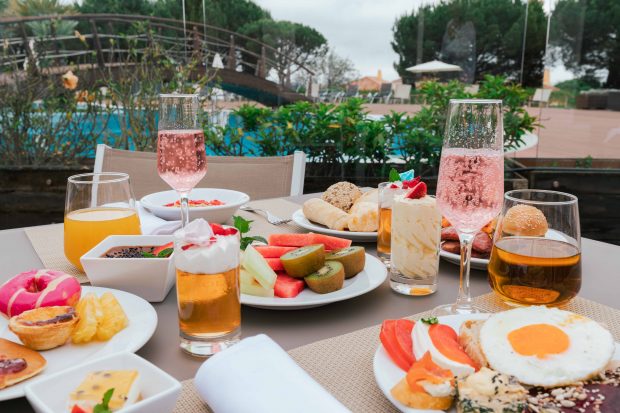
{"x": 358, "y": 29}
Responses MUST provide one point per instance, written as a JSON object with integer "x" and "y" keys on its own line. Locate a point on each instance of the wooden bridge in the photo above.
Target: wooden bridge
{"x": 105, "y": 43}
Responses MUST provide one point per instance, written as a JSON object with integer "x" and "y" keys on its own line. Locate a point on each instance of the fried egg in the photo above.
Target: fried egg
{"x": 547, "y": 347}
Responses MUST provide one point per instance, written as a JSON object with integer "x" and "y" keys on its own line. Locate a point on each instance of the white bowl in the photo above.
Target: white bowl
{"x": 217, "y": 214}
{"x": 149, "y": 278}
{"x": 158, "y": 389}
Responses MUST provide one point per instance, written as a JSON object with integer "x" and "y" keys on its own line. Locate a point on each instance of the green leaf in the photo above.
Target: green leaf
{"x": 104, "y": 406}
{"x": 394, "y": 176}
{"x": 165, "y": 252}
{"x": 242, "y": 224}
{"x": 148, "y": 255}
{"x": 430, "y": 320}
{"x": 245, "y": 241}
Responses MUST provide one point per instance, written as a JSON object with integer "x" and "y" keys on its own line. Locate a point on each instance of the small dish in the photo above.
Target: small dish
{"x": 159, "y": 390}
{"x": 149, "y": 278}
{"x": 217, "y": 214}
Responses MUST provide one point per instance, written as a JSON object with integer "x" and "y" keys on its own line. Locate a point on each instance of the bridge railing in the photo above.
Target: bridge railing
{"x": 107, "y": 39}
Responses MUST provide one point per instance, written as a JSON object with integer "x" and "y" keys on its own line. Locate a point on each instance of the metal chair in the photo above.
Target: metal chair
{"x": 384, "y": 95}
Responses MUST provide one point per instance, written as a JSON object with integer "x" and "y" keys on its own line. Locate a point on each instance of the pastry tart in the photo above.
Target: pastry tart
{"x": 44, "y": 328}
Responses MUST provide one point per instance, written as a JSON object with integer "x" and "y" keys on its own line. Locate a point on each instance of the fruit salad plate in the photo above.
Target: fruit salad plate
{"x": 142, "y": 323}
{"x": 373, "y": 275}
{"x": 300, "y": 219}
{"x": 388, "y": 374}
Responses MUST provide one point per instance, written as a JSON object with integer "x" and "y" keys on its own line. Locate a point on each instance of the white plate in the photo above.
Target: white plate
{"x": 373, "y": 275}
{"x": 387, "y": 374}
{"x": 300, "y": 219}
{"x": 218, "y": 214}
{"x": 142, "y": 323}
{"x": 476, "y": 263}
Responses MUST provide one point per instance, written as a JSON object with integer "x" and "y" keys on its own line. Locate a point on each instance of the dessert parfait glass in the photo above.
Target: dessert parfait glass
{"x": 387, "y": 192}
{"x": 415, "y": 243}
{"x": 207, "y": 263}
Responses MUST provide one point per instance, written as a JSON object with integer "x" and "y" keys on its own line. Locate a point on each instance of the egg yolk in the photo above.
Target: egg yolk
{"x": 538, "y": 340}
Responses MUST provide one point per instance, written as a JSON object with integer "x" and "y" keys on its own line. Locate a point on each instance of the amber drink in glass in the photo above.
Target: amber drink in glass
{"x": 207, "y": 267}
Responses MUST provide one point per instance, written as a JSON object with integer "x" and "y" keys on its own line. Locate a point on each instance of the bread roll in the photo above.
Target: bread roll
{"x": 368, "y": 196}
{"x": 342, "y": 195}
{"x": 323, "y": 213}
{"x": 525, "y": 220}
{"x": 364, "y": 216}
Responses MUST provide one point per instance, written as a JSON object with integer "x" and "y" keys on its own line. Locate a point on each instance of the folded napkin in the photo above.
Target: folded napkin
{"x": 257, "y": 376}
{"x": 152, "y": 225}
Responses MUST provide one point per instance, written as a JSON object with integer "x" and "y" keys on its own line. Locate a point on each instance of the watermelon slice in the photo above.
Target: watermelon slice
{"x": 269, "y": 251}
{"x": 275, "y": 264}
{"x": 288, "y": 287}
{"x": 331, "y": 243}
{"x": 291, "y": 240}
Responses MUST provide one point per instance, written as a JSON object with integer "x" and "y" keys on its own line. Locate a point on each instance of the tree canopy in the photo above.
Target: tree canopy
{"x": 586, "y": 34}
{"x": 293, "y": 41}
{"x": 481, "y": 36}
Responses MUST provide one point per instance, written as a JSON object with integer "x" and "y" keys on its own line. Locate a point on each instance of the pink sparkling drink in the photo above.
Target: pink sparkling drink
{"x": 181, "y": 158}
{"x": 470, "y": 187}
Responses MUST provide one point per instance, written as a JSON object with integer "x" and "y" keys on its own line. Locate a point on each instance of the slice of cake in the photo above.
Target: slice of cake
{"x": 90, "y": 392}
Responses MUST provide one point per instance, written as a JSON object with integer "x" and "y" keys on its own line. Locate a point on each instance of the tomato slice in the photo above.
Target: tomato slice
{"x": 444, "y": 338}
{"x": 163, "y": 247}
{"x": 77, "y": 409}
{"x": 388, "y": 339}
{"x": 403, "y": 338}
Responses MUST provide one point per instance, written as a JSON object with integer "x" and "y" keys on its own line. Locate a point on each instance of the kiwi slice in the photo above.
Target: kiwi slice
{"x": 353, "y": 259}
{"x": 303, "y": 261}
{"x": 327, "y": 279}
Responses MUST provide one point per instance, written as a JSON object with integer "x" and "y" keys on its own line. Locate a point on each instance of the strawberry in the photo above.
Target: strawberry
{"x": 411, "y": 183}
{"x": 218, "y": 229}
{"x": 187, "y": 246}
{"x": 417, "y": 192}
{"x": 393, "y": 186}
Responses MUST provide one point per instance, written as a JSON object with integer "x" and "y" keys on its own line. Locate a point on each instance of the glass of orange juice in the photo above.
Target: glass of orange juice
{"x": 97, "y": 205}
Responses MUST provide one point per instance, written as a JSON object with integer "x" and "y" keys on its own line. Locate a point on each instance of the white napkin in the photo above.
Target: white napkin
{"x": 257, "y": 376}
{"x": 152, "y": 225}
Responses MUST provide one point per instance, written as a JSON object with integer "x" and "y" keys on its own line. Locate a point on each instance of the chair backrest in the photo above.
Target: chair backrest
{"x": 385, "y": 89}
{"x": 313, "y": 90}
{"x": 259, "y": 177}
{"x": 402, "y": 92}
{"x": 542, "y": 95}
{"x": 352, "y": 90}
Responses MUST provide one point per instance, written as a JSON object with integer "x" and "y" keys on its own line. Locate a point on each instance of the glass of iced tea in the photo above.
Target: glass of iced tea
{"x": 536, "y": 255}
{"x": 97, "y": 205}
{"x": 387, "y": 191}
{"x": 207, "y": 260}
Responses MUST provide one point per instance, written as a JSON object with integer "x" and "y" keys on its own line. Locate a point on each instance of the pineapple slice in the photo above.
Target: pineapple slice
{"x": 114, "y": 318}
{"x": 89, "y": 312}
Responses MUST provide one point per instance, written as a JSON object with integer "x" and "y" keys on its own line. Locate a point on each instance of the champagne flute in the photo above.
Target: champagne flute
{"x": 181, "y": 156}
{"x": 470, "y": 187}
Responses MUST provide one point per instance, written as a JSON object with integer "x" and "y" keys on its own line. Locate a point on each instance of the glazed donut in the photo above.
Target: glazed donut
{"x": 38, "y": 288}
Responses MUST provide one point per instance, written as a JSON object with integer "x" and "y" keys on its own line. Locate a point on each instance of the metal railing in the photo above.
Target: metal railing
{"x": 102, "y": 40}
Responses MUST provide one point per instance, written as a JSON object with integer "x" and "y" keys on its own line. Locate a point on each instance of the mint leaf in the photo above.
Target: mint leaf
{"x": 104, "y": 406}
{"x": 242, "y": 224}
{"x": 394, "y": 176}
{"x": 148, "y": 255}
{"x": 165, "y": 253}
{"x": 430, "y": 320}
{"x": 259, "y": 239}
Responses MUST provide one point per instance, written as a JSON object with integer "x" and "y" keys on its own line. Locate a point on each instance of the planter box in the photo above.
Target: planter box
{"x": 34, "y": 195}
{"x": 596, "y": 187}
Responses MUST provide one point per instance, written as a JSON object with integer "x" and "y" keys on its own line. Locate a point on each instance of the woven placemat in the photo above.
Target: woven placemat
{"x": 343, "y": 364}
{"x": 49, "y": 243}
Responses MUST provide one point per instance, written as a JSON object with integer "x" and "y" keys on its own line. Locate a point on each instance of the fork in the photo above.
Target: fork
{"x": 272, "y": 219}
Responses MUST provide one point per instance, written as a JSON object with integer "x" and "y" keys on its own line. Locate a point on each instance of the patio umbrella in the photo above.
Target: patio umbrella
{"x": 434, "y": 66}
